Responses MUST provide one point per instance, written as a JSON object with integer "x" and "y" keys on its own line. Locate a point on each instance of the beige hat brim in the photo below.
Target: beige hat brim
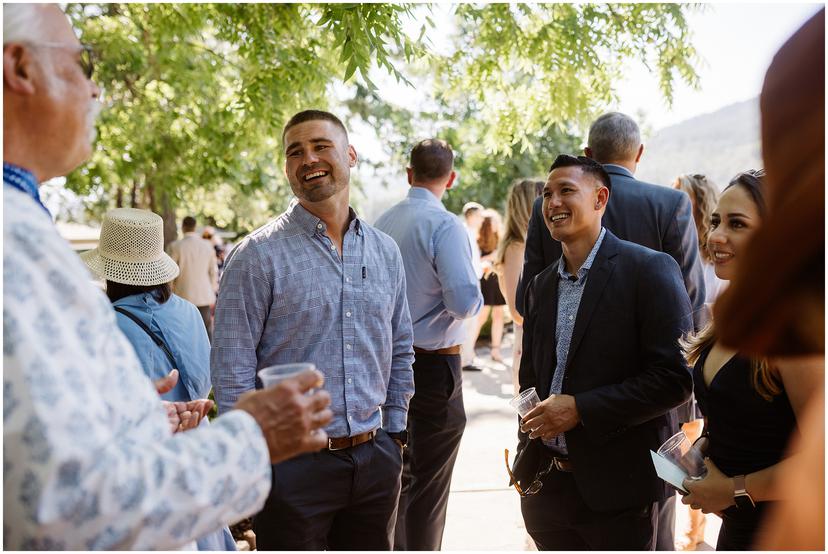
{"x": 142, "y": 274}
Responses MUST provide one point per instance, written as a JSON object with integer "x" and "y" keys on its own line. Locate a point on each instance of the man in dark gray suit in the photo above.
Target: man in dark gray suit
{"x": 654, "y": 216}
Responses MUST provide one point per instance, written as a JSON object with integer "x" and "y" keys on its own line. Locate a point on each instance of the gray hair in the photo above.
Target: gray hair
{"x": 22, "y": 22}
{"x": 614, "y": 137}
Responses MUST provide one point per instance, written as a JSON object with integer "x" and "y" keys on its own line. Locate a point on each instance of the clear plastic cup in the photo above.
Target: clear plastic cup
{"x": 679, "y": 450}
{"x": 275, "y": 374}
{"x": 525, "y": 401}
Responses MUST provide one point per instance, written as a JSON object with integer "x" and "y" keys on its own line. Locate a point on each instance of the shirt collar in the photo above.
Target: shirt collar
{"x": 421, "y": 193}
{"x": 24, "y": 181}
{"x": 618, "y": 169}
{"x": 564, "y": 274}
{"x": 312, "y": 224}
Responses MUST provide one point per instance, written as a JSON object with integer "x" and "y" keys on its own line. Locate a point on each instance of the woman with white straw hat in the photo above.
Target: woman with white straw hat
{"x": 165, "y": 330}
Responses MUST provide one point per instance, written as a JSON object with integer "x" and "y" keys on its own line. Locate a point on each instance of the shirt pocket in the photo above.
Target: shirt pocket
{"x": 378, "y": 296}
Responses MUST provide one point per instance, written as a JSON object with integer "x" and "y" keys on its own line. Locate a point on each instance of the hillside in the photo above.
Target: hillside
{"x": 718, "y": 144}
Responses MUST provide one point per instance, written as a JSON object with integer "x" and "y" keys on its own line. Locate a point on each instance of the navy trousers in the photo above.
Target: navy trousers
{"x": 558, "y": 519}
{"x": 341, "y": 500}
{"x": 436, "y": 420}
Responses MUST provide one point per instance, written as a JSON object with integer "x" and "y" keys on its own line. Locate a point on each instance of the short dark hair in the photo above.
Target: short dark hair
{"x": 753, "y": 181}
{"x": 614, "y": 137}
{"x": 188, "y": 222}
{"x": 313, "y": 115}
{"x": 587, "y": 165}
{"x": 116, "y": 291}
{"x": 431, "y": 159}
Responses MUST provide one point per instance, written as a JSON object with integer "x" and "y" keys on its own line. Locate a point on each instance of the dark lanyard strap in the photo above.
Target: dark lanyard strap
{"x": 155, "y": 338}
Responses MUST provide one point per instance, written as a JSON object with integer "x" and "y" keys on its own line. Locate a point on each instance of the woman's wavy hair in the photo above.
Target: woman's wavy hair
{"x": 765, "y": 380}
{"x": 522, "y": 195}
{"x": 704, "y": 195}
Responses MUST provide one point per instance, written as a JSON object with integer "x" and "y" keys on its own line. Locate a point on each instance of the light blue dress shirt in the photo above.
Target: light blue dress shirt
{"x": 287, "y": 296}
{"x": 569, "y": 299}
{"x": 442, "y": 287}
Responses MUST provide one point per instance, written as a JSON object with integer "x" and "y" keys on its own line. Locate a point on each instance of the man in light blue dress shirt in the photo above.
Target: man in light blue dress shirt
{"x": 317, "y": 284}
{"x": 442, "y": 291}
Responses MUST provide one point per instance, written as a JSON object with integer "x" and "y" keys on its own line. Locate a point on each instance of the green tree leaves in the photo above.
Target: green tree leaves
{"x": 197, "y": 94}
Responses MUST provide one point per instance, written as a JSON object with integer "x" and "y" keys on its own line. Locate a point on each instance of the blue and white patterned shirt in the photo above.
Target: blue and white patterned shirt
{"x": 569, "y": 298}
{"x": 287, "y": 296}
{"x": 443, "y": 289}
{"x": 89, "y": 462}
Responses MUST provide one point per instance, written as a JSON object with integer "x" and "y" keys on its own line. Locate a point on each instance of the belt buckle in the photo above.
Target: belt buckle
{"x": 331, "y": 447}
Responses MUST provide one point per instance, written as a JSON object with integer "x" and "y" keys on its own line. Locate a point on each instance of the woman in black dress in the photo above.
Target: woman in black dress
{"x": 750, "y": 406}
{"x": 493, "y": 301}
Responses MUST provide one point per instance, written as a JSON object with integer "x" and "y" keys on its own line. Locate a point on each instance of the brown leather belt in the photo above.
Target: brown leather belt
{"x": 563, "y": 464}
{"x": 341, "y": 443}
{"x": 443, "y": 351}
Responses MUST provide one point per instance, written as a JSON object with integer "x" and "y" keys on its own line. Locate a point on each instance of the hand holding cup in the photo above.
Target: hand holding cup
{"x": 292, "y": 419}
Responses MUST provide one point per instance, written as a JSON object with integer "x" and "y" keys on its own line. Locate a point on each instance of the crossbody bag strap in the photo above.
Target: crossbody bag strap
{"x": 155, "y": 338}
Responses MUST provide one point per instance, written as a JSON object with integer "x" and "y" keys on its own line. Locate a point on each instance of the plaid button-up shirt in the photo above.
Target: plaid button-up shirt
{"x": 287, "y": 296}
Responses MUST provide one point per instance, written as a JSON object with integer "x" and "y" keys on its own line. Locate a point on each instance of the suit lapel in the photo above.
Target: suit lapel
{"x": 597, "y": 279}
{"x": 548, "y": 319}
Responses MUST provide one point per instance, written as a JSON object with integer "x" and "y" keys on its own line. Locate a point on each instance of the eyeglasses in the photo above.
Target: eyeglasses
{"x": 86, "y": 59}
{"x": 536, "y": 485}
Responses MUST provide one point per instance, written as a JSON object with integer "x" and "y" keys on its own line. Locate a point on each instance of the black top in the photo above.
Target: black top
{"x": 747, "y": 432}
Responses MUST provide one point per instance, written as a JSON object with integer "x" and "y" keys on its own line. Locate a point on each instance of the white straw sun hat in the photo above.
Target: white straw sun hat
{"x": 131, "y": 249}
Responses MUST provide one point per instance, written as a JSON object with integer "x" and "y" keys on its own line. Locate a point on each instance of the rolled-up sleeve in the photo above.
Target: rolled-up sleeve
{"x": 242, "y": 308}
{"x": 401, "y": 380}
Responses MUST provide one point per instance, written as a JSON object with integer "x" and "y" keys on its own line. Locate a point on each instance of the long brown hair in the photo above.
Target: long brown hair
{"x": 765, "y": 378}
{"x": 522, "y": 196}
{"x": 704, "y": 194}
{"x": 489, "y": 233}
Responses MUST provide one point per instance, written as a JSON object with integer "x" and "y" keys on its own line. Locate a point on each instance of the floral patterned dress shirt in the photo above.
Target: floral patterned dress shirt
{"x": 89, "y": 462}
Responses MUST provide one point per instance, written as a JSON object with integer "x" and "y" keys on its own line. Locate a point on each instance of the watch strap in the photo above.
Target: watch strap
{"x": 740, "y": 494}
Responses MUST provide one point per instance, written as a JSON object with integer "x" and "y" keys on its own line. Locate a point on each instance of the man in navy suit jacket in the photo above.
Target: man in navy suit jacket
{"x": 601, "y": 347}
{"x": 654, "y": 216}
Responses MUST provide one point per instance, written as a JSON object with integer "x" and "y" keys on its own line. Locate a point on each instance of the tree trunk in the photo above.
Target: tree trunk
{"x": 168, "y": 215}
{"x": 119, "y": 197}
{"x": 133, "y": 195}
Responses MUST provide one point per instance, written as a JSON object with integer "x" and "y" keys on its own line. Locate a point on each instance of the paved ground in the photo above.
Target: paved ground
{"x": 483, "y": 511}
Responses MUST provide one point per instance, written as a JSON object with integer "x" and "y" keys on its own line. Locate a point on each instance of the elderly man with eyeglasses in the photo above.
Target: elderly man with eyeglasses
{"x": 90, "y": 459}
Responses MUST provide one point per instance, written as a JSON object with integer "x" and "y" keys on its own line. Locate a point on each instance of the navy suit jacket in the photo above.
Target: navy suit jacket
{"x": 657, "y": 217}
{"x": 624, "y": 368}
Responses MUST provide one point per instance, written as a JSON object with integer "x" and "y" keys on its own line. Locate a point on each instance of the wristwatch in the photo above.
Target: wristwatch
{"x": 401, "y": 437}
{"x": 740, "y": 494}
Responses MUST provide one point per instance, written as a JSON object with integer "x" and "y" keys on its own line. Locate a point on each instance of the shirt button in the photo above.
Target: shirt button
{"x": 319, "y": 226}
{"x": 347, "y": 314}
{"x": 347, "y": 347}
{"x": 347, "y": 279}
{"x": 333, "y": 247}
{"x": 570, "y": 318}
{"x": 350, "y": 380}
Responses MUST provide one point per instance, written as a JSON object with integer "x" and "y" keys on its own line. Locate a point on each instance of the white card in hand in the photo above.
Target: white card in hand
{"x": 668, "y": 471}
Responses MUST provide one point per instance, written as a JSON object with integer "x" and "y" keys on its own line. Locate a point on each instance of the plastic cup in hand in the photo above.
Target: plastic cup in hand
{"x": 275, "y": 374}
{"x": 681, "y": 452}
{"x": 525, "y": 401}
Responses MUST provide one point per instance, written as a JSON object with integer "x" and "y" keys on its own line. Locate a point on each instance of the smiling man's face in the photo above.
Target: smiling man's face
{"x": 572, "y": 204}
{"x": 318, "y": 159}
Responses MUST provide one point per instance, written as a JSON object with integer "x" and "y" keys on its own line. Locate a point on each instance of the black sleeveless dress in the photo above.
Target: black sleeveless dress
{"x": 747, "y": 433}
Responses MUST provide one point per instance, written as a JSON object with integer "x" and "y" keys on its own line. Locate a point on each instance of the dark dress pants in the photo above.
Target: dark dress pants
{"x": 436, "y": 420}
{"x": 207, "y": 317}
{"x": 558, "y": 519}
{"x": 341, "y": 500}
